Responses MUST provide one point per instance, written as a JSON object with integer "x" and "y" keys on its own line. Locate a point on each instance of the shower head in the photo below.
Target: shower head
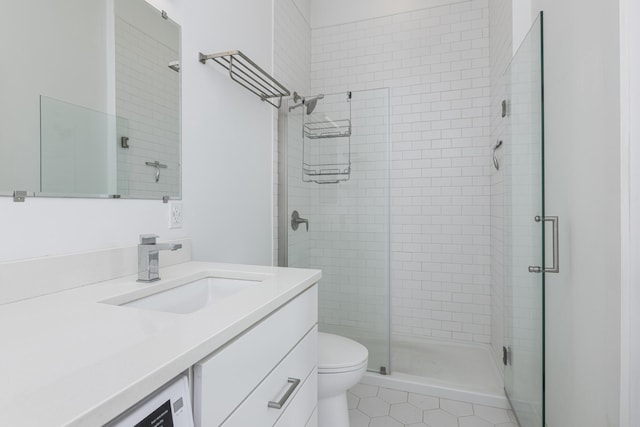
{"x": 311, "y": 103}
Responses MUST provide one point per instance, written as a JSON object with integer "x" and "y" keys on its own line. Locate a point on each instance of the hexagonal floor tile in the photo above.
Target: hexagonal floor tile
{"x": 440, "y": 418}
{"x": 392, "y": 396}
{"x": 459, "y": 409}
{"x": 384, "y": 422}
{"x": 424, "y": 402}
{"x": 373, "y": 406}
{"x": 364, "y": 390}
{"x": 493, "y": 415}
{"x": 358, "y": 419}
{"x": 474, "y": 421}
{"x": 406, "y": 413}
{"x": 352, "y": 400}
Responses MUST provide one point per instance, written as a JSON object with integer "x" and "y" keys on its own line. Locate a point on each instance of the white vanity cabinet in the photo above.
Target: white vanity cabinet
{"x": 266, "y": 376}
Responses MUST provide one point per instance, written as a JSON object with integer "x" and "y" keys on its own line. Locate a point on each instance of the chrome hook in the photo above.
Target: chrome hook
{"x": 496, "y": 163}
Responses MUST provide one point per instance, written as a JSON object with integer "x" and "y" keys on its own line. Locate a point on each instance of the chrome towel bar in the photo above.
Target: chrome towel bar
{"x": 249, "y": 75}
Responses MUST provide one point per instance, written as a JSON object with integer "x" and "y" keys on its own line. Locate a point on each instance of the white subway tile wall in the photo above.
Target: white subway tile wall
{"x": 153, "y": 128}
{"x": 436, "y": 63}
{"x": 500, "y": 48}
{"x": 348, "y": 232}
{"x": 349, "y": 221}
{"x": 292, "y": 62}
{"x": 300, "y": 193}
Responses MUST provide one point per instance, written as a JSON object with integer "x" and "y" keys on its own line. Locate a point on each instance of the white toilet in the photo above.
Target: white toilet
{"x": 341, "y": 364}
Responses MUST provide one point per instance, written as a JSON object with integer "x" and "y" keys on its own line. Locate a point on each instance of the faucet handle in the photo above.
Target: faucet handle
{"x": 148, "y": 239}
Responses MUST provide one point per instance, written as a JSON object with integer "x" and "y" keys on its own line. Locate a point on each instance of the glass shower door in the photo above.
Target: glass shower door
{"x": 337, "y": 172}
{"x": 524, "y": 232}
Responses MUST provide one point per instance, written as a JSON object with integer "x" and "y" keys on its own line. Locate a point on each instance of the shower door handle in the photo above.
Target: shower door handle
{"x": 555, "y": 268}
{"x": 296, "y": 220}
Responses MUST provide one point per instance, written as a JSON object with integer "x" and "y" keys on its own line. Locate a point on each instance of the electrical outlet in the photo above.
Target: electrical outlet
{"x": 175, "y": 215}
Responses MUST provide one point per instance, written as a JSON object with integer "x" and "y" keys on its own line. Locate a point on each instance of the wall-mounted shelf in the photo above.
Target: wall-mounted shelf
{"x": 249, "y": 75}
{"x": 328, "y": 129}
{"x": 326, "y": 173}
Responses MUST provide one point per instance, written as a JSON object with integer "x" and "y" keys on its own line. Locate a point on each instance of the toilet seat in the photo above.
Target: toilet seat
{"x": 339, "y": 354}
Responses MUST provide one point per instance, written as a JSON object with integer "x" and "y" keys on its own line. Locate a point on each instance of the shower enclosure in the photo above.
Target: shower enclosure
{"x": 525, "y": 232}
{"x": 334, "y": 210}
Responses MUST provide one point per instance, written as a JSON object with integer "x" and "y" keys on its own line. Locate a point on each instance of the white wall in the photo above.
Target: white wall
{"x": 292, "y": 67}
{"x": 42, "y": 227}
{"x": 582, "y": 159}
{"x": 227, "y": 134}
{"x": 436, "y": 63}
{"x": 630, "y": 214}
{"x": 633, "y": 299}
{"x": 521, "y": 20}
{"x": 334, "y": 12}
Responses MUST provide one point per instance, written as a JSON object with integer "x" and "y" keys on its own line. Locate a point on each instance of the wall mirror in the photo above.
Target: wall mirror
{"x": 90, "y": 103}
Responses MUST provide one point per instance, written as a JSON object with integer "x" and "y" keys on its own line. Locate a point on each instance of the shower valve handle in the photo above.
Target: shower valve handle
{"x": 296, "y": 220}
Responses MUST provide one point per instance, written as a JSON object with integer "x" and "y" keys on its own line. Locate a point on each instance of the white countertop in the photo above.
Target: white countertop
{"x": 69, "y": 359}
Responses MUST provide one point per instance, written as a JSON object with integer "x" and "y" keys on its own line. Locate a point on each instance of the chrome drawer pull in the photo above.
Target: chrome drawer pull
{"x": 278, "y": 405}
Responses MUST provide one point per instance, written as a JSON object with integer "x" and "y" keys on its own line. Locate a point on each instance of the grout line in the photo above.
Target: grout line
{"x": 444, "y": 4}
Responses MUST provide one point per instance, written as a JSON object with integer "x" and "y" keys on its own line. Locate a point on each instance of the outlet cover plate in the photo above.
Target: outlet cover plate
{"x": 175, "y": 215}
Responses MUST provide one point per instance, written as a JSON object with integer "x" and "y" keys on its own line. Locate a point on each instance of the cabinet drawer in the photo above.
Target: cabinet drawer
{"x": 302, "y": 411}
{"x": 313, "y": 420}
{"x": 224, "y": 379}
{"x": 300, "y": 365}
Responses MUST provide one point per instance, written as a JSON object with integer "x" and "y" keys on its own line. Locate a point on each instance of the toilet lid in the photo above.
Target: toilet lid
{"x": 337, "y": 353}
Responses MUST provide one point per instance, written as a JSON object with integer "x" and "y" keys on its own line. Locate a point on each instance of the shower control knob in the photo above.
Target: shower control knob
{"x": 296, "y": 220}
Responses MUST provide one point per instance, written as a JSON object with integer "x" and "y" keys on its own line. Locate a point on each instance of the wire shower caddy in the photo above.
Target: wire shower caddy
{"x": 326, "y": 145}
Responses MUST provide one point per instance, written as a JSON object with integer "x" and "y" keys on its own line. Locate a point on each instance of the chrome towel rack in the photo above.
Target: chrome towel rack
{"x": 249, "y": 75}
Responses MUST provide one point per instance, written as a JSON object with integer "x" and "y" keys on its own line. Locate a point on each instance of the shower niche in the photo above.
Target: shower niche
{"x": 326, "y": 141}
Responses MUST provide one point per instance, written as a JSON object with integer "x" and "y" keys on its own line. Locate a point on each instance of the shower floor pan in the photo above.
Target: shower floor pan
{"x": 451, "y": 370}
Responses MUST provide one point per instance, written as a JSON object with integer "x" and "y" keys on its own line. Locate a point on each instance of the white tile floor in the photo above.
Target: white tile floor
{"x": 371, "y": 406}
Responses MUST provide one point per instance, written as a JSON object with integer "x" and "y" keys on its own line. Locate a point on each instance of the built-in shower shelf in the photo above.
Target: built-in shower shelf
{"x": 328, "y": 129}
{"x": 249, "y": 75}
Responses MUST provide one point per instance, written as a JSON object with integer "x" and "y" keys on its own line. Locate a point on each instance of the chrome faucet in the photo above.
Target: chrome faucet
{"x": 148, "y": 257}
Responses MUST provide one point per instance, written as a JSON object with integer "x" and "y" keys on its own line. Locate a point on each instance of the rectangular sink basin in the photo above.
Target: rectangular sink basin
{"x": 193, "y": 296}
